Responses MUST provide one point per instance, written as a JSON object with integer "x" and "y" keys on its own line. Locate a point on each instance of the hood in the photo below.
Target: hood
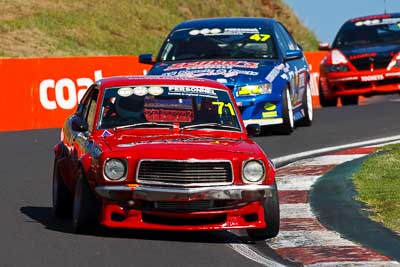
{"x": 179, "y": 146}
{"x": 228, "y": 72}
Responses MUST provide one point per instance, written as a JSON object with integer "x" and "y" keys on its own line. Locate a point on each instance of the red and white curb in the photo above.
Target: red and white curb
{"x": 302, "y": 238}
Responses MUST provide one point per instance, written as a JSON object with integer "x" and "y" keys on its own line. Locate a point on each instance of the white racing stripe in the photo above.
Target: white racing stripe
{"x": 246, "y": 251}
{"x": 296, "y": 182}
{"x": 306, "y": 154}
{"x": 292, "y": 239}
{"x": 296, "y": 211}
{"x": 356, "y": 264}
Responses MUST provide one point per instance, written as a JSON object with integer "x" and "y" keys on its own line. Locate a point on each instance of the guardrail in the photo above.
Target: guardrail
{"x": 39, "y": 93}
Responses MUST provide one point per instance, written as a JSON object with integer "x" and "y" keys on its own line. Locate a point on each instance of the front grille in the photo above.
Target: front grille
{"x": 184, "y": 173}
{"x": 377, "y": 63}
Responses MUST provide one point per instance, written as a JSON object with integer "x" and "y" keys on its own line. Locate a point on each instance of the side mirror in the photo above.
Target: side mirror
{"x": 78, "y": 124}
{"x": 146, "y": 59}
{"x": 324, "y": 47}
{"x": 253, "y": 129}
{"x": 293, "y": 54}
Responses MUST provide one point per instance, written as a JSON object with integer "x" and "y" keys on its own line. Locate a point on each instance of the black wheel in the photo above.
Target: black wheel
{"x": 308, "y": 108}
{"x": 325, "y": 102}
{"x": 349, "y": 100}
{"x": 62, "y": 197}
{"x": 272, "y": 218}
{"x": 287, "y": 113}
{"x": 87, "y": 207}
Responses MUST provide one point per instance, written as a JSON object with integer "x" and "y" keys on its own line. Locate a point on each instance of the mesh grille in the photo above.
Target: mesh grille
{"x": 182, "y": 173}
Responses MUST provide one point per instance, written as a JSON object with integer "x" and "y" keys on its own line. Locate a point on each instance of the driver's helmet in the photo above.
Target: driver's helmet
{"x": 130, "y": 107}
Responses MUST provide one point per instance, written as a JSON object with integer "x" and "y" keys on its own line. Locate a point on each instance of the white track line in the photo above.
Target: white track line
{"x": 328, "y": 160}
{"x": 246, "y": 251}
{"x": 282, "y": 160}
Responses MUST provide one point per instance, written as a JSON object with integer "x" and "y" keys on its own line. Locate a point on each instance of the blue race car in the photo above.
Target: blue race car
{"x": 255, "y": 57}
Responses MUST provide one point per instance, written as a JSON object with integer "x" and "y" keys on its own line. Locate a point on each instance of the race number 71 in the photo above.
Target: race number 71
{"x": 221, "y": 105}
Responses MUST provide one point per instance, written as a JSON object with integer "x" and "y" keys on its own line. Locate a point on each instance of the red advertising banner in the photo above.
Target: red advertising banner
{"x": 40, "y": 93}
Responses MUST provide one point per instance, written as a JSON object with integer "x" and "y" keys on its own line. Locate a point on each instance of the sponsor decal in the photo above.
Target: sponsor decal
{"x": 106, "y": 133}
{"x": 372, "y": 78}
{"x": 192, "y": 91}
{"x": 269, "y": 106}
{"x": 377, "y": 21}
{"x": 76, "y": 90}
{"x": 213, "y": 64}
{"x": 269, "y": 114}
{"x": 226, "y": 73}
{"x": 344, "y": 79}
{"x": 226, "y": 31}
{"x": 272, "y": 74}
{"x": 392, "y": 74}
{"x": 362, "y": 56}
{"x": 222, "y": 80}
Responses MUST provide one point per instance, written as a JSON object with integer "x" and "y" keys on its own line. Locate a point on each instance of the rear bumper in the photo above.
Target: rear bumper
{"x": 360, "y": 83}
{"x": 122, "y": 211}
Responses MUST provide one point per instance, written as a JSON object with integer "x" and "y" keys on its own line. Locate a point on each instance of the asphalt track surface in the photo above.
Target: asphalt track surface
{"x": 31, "y": 236}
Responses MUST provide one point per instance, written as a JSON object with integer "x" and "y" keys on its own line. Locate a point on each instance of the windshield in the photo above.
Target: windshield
{"x": 368, "y": 32}
{"x": 189, "y": 107}
{"x": 221, "y": 43}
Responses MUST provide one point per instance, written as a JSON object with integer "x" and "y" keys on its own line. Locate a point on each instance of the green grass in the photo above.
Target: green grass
{"x": 378, "y": 185}
{"x": 119, "y": 27}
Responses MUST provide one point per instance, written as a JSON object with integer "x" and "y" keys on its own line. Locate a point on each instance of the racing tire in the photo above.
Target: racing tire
{"x": 349, "y": 100}
{"x": 325, "y": 102}
{"x": 287, "y": 113}
{"x": 308, "y": 108}
{"x": 86, "y": 210}
{"x": 272, "y": 218}
{"x": 62, "y": 197}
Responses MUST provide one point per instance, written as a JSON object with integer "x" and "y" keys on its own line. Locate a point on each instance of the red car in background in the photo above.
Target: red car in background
{"x": 363, "y": 60}
{"x": 163, "y": 153}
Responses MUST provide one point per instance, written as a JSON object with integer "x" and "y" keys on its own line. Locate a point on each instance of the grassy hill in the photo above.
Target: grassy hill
{"x": 46, "y": 28}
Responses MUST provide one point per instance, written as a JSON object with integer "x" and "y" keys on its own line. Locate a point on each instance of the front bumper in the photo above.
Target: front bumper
{"x": 262, "y": 110}
{"x": 247, "y": 212}
{"x": 246, "y": 193}
{"x": 360, "y": 83}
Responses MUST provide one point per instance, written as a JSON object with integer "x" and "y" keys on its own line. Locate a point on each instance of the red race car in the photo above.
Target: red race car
{"x": 364, "y": 60}
{"x": 163, "y": 153}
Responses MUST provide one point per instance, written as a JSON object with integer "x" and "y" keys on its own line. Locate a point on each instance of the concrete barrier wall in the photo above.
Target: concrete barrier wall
{"x": 40, "y": 93}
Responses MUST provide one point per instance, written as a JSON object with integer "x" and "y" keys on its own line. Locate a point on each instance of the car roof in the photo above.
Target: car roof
{"x": 227, "y": 22}
{"x": 158, "y": 80}
{"x": 376, "y": 16}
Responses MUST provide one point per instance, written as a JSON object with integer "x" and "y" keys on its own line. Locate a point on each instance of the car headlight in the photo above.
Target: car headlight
{"x": 253, "y": 171}
{"x": 255, "y": 89}
{"x": 115, "y": 169}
